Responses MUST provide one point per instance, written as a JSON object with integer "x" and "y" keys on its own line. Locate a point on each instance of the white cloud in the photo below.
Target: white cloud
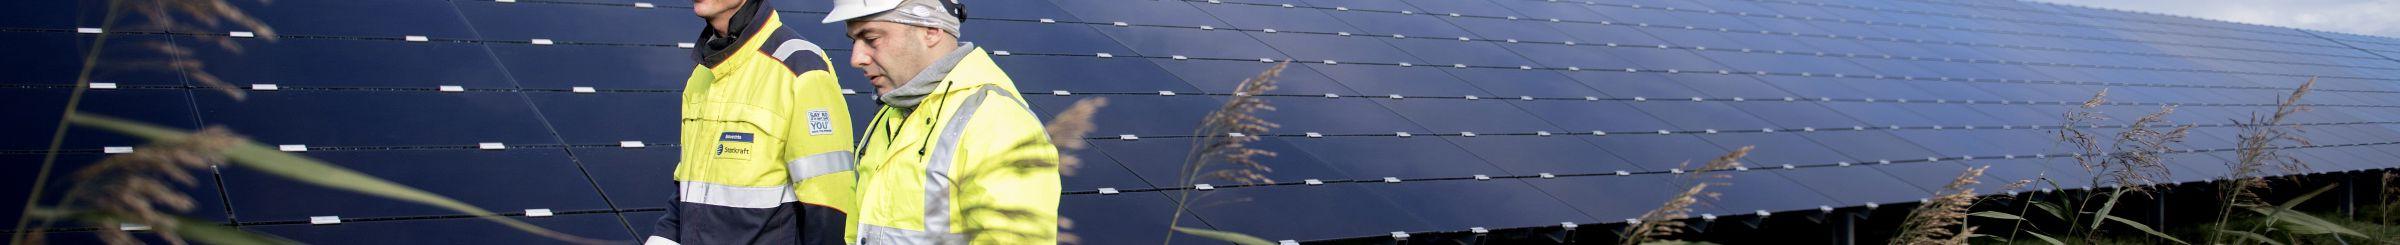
{"x": 2371, "y": 17}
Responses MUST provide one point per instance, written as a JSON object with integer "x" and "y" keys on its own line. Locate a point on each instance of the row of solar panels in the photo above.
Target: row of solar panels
{"x": 1397, "y": 134}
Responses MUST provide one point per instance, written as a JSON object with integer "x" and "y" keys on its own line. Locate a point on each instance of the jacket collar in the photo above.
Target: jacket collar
{"x": 928, "y": 81}
{"x": 714, "y": 48}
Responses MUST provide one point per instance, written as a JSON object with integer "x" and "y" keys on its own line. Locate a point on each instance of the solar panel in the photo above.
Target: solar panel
{"x": 1412, "y": 116}
{"x": 502, "y": 181}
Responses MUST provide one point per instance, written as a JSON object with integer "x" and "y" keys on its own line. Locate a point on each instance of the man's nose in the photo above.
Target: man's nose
{"x": 859, "y": 57}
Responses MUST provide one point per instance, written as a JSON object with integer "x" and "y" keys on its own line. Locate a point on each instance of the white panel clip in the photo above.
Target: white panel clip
{"x": 1105, "y": 55}
{"x": 1391, "y": 179}
{"x": 584, "y": 90}
{"x": 414, "y": 38}
{"x": 104, "y": 86}
{"x": 265, "y": 87}
{"x": 292, "y": 148}
{"x": 1315, "y": 135}
{"x": 1312, "y": 182}
{"x": 87, "y": 30}
{"x": 116, "y": 149}
{"x": 324, "y": 220}
{"x": 133, "y": 227}
{"x": 1061, "y": 93}
{"x": 684, "y": 45}
{"x": 1108, "y": 191}
{"x": 631, "y": 144}
{"x": 541, "y": 41}
{"x": 243, "y": 34}
{"x": 1203, "y": 187}
{"x": 538, "y": 212}
{"x": 1483, "y": 177}
{"x": 452, "y": 88}
{"x": 491, "y": 146}
{"x": 644, "y": 5}
{"x": 1000, "y": 53}
{"x": 1128, "y": 137}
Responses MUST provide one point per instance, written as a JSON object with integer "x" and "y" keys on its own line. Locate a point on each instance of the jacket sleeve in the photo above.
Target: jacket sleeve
{"x": 819, "y": 125}
{"x": 1008, "y": 191}
{"x": 817, "y": 152}
{"x": 667, "y": 228}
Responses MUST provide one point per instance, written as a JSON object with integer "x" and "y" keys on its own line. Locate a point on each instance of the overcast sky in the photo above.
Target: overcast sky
{"x": 2371, "y": 17}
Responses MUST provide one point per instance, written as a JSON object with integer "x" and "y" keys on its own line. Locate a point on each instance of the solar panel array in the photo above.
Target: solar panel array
{"x": 1396, "y": 115}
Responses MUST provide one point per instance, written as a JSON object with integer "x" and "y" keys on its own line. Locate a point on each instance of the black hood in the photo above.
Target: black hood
{"x": 713, "y": 48}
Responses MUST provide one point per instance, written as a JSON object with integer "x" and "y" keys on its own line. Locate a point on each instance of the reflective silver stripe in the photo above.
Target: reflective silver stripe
{"x": 878, "y": 235}
{"x": 735, "y": 196}
{"x": 821, "y": 164}
{"x": 937, "y": 167}
{"x": 655, "y": 240}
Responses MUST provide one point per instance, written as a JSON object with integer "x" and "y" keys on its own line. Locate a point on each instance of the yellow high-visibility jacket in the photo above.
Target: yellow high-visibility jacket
{"x": 765, "y": 142}
{"x": 970, "y": 163}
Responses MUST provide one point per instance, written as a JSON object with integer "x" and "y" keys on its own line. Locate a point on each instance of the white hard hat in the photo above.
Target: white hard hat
{"x": 844, "y": 10}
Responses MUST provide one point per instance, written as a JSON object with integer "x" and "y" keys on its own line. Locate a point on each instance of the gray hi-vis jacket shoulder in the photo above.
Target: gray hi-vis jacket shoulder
{"x": 765, "y": 142}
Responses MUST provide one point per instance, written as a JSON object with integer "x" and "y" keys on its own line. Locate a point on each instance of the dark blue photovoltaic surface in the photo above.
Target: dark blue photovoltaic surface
{"x": 1410, "y": 115}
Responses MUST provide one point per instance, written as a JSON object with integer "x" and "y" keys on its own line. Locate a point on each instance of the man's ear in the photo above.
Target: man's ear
{"x": 930, "y": 37}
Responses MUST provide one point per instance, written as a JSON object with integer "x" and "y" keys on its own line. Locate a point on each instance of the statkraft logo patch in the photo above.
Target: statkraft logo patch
{"x": 734, "y": 145}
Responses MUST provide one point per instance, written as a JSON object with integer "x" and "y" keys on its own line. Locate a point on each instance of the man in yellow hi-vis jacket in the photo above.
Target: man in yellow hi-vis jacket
{"x": 953, "y": 155}
{"x": 766, "y": 140}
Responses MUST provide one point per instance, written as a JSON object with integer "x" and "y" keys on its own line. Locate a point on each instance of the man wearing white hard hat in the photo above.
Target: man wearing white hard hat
{"x": 765, "y": 137}
{"x": 953, "y": 155}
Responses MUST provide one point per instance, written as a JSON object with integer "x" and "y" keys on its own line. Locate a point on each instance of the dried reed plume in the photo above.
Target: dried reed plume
{"x": 1225, "y": 134}
{"x": 1068, "y": 128}
{"x": 167, "y": 16}
{"x": 2132, "y": 159}
{"x": 204, "y": 17}
{"x": 139, "y": 188}
{"x": 2257, "y": 152}
{"x": 1224, "y": 137}
{"x": 1933, "y": 222}
{"x": 1066, "y": 131}
{"x": 1667, "y": 220}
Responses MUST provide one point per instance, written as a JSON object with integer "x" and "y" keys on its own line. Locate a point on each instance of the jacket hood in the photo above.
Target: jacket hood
{"x": 927, "y": 82}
